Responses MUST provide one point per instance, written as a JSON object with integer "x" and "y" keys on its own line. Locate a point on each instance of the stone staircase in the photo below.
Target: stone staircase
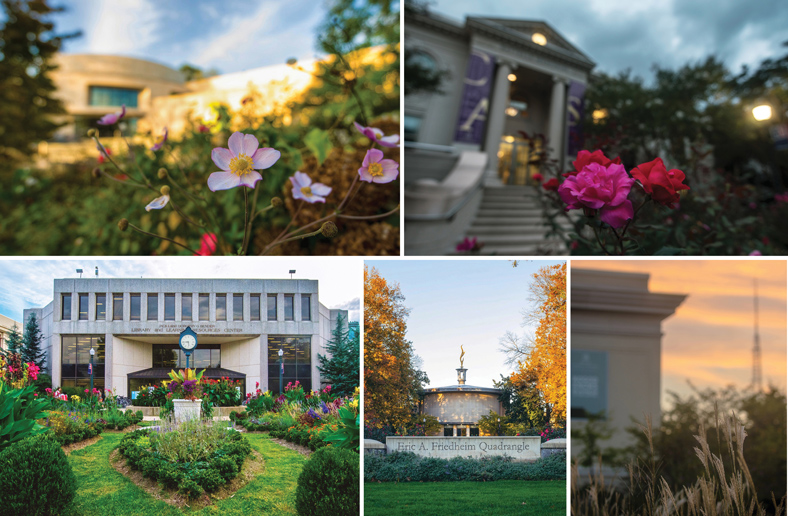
{"x": 509, "y": 223}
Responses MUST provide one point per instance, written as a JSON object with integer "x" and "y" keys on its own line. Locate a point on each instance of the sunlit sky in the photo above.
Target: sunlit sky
{"x": 468, "y": 302}
{"x": 709, "y": 339}
{"x": 231, "y": 35}
{"x": 29, "y": 283}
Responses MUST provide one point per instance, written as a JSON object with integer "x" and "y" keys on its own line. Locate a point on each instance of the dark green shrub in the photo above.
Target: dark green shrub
{"x": 226, "y": 467}
{"x": 329, "y": 484}
{"x": 191, "y": 488}
{"x": 209, "y": 479}
{"x": 35, "y": 478}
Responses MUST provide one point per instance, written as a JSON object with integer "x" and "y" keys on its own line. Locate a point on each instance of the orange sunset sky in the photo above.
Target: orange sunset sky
{"x": 709, "y": 339}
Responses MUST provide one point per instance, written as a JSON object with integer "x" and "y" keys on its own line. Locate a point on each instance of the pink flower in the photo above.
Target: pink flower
{"x": 303, "y": 188}
{"x": 603, "y": 188}
{"x": 207, "y": 245}
{"x": 160, "y": 141}
{"x": 469, "y": 244}
{"x": 756, "y": 253}
{"x": 240, "y": 163}
{"x": 537, "y": 177}
{"x": 376, "y": 135}
{"x": 113, "y": 117}
{"x": 375, "y": 169}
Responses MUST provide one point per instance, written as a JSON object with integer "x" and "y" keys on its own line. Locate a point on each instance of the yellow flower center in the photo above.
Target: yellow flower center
{"x": 376, "y": 170}
{"x": 306, "y": 191}
{"x": 241, "y": 164}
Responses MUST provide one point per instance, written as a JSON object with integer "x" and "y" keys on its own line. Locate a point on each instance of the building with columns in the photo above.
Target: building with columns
{"x": 133, "y": 326}
{"x": 512, "y": 90}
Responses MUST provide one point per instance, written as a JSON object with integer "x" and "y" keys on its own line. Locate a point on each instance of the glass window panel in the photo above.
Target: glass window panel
{"x": 76, "y": 359}
{"x": 306, "y": 307}
{"x": 65, "y": 307}
{"x": 221, "y": 307}
{"x": 254, "y": 307}
{"x": 238, "y": 307}
{"x": 83, "y": 307}
{"x": 117, "y": 307}
{"x": 201, "y": 358}
{"x": 106, "y": 96}
{"x": 135, "y": 306}
{"x": 297, "y": 360}
{"x": 169, "y": 307}
{"x": 186, "y": 307}
{"x": 289, "y": 310}
{"x": 205, "y": 307}
{"x": 271, "y": 307}
{"x": 153, "y": 307}
{"x": 101, "y": 307}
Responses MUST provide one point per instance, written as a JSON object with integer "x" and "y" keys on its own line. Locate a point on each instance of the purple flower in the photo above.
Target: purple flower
{"x": 375, "y": 169}
{"x": 303, "y": 188}
{"x": 240, "y": 162}
{"x": 113, "y": 117}
{"x": 376, "y": 135}
{"x": 324, "y": 407}
{"x": 469, "y": 244}
{"x": 160, "y": 141}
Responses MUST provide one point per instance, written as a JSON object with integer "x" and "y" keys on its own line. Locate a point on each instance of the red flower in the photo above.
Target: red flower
{"x": 584, "y": 158}
{"x": 101, "y": 158}
{"x": 537, "y": 177}
{"x": 207, "y": 245}
{"x": 663, "y": 185}
{"x": 551, "y": 185}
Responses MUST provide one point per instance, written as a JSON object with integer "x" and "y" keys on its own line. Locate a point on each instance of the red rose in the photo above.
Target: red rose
{"x": 584, "y": 158}
{"x": 537, "y": 177}
{"x": 663, "y": 185}
{"x": 551, "y": 185}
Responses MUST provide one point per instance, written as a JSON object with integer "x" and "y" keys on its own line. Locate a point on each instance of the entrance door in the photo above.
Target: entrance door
{"x": 518, "y": 161}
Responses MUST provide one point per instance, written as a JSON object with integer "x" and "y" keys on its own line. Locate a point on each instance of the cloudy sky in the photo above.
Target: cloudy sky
{"x": 29, "y": 283}
{"x": 709, "y": 339}
{"x": 462, "y": 302}
{"x": 619, "y": 34}
{"x": 230, "y": 35}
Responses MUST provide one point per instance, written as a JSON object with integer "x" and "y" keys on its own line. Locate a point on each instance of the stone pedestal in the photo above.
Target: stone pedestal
{"x": 186, "y": 410}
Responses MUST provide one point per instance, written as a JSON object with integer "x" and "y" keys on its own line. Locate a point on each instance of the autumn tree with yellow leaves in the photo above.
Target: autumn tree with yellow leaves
{"x": 391, "y": 382}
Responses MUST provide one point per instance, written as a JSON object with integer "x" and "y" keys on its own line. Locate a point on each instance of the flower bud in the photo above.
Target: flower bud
{"x": 165, "y": 190}
{"x": 276, "y": 202}
{"x": 96, "y": 172}
{"x": 162, "y": 173}
{"x": 123, "y": 224}
{"x": 329, "y": 229}
{"x": 92, "y": 133}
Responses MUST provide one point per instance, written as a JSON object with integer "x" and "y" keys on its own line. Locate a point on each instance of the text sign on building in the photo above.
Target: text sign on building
{"x": 589, "y": 383}
{"x": 475, "y": 98}
{"x": 519, "y": 448}
{"x": 574, "y": 116}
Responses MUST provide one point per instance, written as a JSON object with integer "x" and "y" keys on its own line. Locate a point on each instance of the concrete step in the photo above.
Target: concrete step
{"x": 504, "y": 212}
{"x": 483, "y": 231}
{"x": 508, "y": 221}
{"x": 507, "y": 205}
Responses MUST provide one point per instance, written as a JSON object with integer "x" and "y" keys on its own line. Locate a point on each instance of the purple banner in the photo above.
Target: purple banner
{"x": 574, "y": 116}
{"x": 475, "y": 98}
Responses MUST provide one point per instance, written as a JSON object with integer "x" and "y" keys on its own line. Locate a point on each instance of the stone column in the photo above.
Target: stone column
{"x": 496, "y": 119}
{"x": 56, "y": 358}
{"x": 557, "y": 125}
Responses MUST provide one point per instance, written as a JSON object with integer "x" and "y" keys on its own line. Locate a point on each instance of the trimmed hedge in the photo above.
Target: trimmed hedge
{"x": 328, "y": 484}
{"x": 409, "y": 467}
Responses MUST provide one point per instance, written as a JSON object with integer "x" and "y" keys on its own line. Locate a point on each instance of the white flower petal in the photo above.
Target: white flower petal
{"x": 390, "y": 141}
{"x": 265, "y": 158}
{"x": 158, "y": 203}
{"x": 221, "y": 157}
{"x": 302, "y": 179}
{"x": 250, "y": 144}
{"x": 251, "y": 179}
{"x": 236, "y": 143}
{"x": 320, "y": 189}
{"x": 223, "y": 181}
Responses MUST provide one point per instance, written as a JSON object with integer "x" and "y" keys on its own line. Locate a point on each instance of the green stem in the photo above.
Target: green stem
{"x": 139, "y": 230}
{"x": 299, "y": 237}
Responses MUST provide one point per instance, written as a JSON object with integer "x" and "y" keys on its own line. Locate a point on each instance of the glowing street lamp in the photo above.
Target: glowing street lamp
{"x": 92, "y": 352}
{"x": 539, "y": 39}
{"x": 762, "y": 112}
{"x": 281, "y": 370}
{"x": 512, "y": 77}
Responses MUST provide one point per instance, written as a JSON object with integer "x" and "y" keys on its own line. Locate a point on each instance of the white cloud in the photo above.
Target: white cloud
{"x": 126, "y": 27}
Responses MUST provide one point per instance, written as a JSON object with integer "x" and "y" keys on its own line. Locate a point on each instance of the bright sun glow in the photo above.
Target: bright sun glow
{"x": 762, "y": 112}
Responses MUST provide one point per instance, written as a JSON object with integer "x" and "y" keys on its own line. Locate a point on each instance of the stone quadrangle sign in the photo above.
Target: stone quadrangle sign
{"x": 519, "y": 448}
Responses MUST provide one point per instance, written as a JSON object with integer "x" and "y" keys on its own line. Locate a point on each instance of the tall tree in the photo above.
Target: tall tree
{"x": 545, "y": 367}
{"x": 341, "y": 367}
{"x": 391, "y": 382}
{"x": 13, "y": 342}
{"x": 27, "y": 47}
{"x": 31, "y": 343}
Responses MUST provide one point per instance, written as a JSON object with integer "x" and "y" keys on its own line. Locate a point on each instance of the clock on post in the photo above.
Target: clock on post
{"x": 188, "y": 343}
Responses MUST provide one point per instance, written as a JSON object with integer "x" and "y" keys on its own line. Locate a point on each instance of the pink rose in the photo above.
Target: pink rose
{"x": 603, "y": 188}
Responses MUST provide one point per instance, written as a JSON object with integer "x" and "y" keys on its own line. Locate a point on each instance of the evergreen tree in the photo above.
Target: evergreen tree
{"x": 13, "y": 341}
{"x": 31, "y": 343}
{"x": 341, "y": 367}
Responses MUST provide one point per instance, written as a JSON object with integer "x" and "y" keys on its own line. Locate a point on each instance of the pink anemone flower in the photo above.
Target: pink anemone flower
{"x": 160, "y": 141}
{"x": 376, "y": 135}
{"x": 207, "y": 245}
{"x": 375, "y": 169}
{"x": 304, "y": 188}
{"x": 240, "y": 163}
{"x": 112, "y": 118}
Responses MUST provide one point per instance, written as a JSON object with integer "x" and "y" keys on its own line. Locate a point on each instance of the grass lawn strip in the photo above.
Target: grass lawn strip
{"x": 102, "y": 491}
{"x": 500, "y": 498}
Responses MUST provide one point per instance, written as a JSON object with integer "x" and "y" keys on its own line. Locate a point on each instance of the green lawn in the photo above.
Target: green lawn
{"x": 102, "y": 491}
{"x": 501, "y": 498}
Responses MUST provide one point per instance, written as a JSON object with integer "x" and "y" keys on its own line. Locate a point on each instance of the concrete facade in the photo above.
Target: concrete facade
{"x": 128, "y": 344}
{"x": 6, "y": 326}
{"x": 461, "y": 405}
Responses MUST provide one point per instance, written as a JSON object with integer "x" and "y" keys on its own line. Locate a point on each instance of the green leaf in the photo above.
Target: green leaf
{"x": 669, "y": 251}
{"x": 319, "y": 143}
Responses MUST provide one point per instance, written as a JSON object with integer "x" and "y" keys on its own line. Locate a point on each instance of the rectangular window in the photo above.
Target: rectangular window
{"x": 271, "y": 307}
{"x": 171, "y": 356}
{"x": 65, "y": 307}
{"x": 101, "y": 307}
{"x": 153, "y": 307}
{"x": 75, "y": 361}
{"x": 169, "y": 307}
{"x": 306, "y": 307}
{"x": 289, "y": 308}
{"x": 221, "y": 307}
{"x": 297, "y": 361}
{"x": 254, "y": 307}
{"x": 106, "y": 96}
{"x": 238, "y": 307}
{"x": 186, "y": 307}
{"x": 136, "y": 306}
{"x": 205, "y": 307}
{"x": 84, "y": 302}
{"x": 117, "y": 307}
